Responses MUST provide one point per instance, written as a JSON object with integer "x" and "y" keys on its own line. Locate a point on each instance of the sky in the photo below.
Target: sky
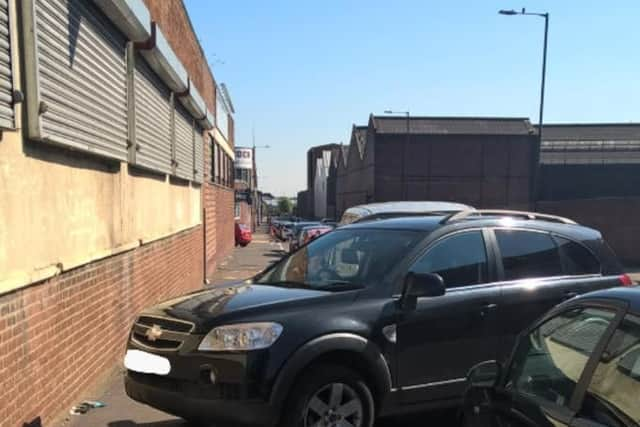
{"x": 301, "y": 73}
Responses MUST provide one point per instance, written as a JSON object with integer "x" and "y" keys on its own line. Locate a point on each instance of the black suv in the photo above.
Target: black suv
{"x": 372, "y": 319}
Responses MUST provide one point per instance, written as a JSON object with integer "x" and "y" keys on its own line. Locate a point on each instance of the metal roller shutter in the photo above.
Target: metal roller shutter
{"x": 183, "y": 143}
{"x": 82, "y": 78}
{"x": 6, "y": 82}
{"x": 152, "y": 118}
{"x": 198, "y": 155}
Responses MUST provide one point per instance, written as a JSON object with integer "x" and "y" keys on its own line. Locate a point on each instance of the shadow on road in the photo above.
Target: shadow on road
{"x": 437, "y": 418}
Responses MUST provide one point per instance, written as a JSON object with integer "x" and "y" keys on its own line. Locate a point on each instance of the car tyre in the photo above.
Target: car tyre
{"x": 329, "y": 394}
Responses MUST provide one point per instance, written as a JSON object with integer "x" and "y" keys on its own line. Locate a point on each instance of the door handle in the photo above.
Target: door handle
{"x": 487, "y": 308}
{"x": 570, "y": 294}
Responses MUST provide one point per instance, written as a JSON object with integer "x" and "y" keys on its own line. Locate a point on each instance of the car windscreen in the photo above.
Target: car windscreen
{"x": 343, "y": 259}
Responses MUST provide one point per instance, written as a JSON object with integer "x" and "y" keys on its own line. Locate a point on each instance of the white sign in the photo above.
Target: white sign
{"x": 244, "y": 158}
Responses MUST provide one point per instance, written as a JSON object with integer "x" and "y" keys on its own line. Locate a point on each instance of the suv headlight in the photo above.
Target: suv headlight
{"x": 243, "y": 336}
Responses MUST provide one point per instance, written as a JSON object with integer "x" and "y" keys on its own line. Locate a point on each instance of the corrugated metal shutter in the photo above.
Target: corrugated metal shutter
{"x": 184, "y": 143}
{"x": 153, "y": 119}
{"x": 6, "y": 82}
{"x": 198, "y": 155}
{"x": 82, "y": 77}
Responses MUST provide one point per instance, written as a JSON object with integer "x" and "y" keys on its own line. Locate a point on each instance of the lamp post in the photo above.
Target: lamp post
{"x": 403, "y": 192}
{"x": 545, "y": 15}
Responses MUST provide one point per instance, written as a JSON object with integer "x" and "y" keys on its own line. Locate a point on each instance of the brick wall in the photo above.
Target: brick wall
{"x": 58, "y": 336}
{"x": 225, "y": 199}
{"x": 172, "y": 18}
{"x": 218, "y": 204}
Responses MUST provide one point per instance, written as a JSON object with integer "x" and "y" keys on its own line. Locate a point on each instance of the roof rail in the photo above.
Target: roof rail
{"x": 502, "y": 212}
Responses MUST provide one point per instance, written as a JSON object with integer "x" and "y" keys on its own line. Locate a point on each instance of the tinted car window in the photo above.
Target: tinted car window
{"x": 549, "y": 361}
{"x": 357, "y": 257}
{"x": 527, "y": 254}
{"x": 577, "y": 259}
{"x": 613, "y": 392}
{"x": 461, "y": 260}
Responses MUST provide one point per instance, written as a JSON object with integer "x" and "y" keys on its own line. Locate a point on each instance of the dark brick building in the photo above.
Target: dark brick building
{"x": 591, "y": 172}
{"x": 484, "y": 162}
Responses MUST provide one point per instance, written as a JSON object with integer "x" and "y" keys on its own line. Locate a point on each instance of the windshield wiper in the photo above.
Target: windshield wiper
{"x": 337, "y": 286}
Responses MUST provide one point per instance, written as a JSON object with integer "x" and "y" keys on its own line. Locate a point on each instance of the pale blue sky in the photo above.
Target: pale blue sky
{"x": 303, "y": 72}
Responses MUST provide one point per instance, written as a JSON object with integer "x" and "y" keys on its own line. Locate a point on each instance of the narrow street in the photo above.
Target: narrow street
{"x": 120, "y": 411}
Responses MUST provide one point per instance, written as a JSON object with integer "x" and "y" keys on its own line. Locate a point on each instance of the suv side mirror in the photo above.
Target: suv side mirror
{"x": 349, "y": 256}
{"x": 485, "y": 374}
{"x": 418, "y": 285}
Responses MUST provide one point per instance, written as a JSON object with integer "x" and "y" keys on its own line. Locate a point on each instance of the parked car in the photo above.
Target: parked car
{"x": 243, "y": 234}
{"x": 313, "y": 232}
{"x": 372, "y": 319}
{"x": 397, "y": 209}
{"x": 296, "y": 231}
{"x": 577, "y": 366}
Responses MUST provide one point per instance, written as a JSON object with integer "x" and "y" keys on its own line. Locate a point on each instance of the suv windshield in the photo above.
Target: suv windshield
{"x": 343, "y": 259}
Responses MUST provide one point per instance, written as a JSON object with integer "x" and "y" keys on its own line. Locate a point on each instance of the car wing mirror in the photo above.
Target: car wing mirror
{"x": 349, "y": 256}
{"x": 485, "y": 374}
{"x": 417, "y": 285}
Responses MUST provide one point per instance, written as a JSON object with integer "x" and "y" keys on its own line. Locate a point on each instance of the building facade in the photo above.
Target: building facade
{"x": 116, "y": 186}
{"x": 247, "y": 199}
{"x": 483, "y": 162}
{"x": 591, "y": 172}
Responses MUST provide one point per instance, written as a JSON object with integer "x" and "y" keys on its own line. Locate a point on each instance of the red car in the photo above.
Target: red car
{"x": 243, "y": 235}
{"x": 314, "y": 232}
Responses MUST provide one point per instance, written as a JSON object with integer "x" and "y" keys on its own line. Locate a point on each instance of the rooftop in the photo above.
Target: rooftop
{"x": 453, "y": 125}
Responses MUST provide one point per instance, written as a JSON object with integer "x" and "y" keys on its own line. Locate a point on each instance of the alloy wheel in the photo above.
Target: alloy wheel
{"x": 334, "y": 405}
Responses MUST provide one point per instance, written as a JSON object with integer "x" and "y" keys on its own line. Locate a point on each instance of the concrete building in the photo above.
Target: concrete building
{"x": 116, "y": 189}
{"x": 308, "y": 209}
{"x": 484, "y": 162}
{"x": 247, "y": 201}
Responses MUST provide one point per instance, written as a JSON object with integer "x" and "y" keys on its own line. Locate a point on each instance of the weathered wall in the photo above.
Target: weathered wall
{"x": 615, "y": 218}
{"x": 483, "y": 171}
{"x": 60, "y": 209}
{"x": 59, "y": 336}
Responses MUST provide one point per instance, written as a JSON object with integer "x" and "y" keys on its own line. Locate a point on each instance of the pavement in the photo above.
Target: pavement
{"x": 120, "y": 411}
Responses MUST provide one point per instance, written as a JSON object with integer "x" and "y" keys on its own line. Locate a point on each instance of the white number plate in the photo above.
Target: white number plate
{"x": 146, "y": 363}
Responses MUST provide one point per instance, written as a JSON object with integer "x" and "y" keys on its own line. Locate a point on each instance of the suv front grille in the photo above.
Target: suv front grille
{"x": 168, "y": 324}
{"x": 160, "y": 344}
{"x": 161, "y": 333}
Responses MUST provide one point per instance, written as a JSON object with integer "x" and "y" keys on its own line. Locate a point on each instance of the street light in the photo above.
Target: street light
{"x": 544, "y": 72}
{"x": 402, "y": 165}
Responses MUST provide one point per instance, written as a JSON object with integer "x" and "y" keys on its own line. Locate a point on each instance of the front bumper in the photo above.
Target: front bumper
{"x": 191, "y": 402}
{"x": 238, "y": 396}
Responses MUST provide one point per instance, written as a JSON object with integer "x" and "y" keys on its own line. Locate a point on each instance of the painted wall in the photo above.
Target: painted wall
{"x": 62, "y": 209}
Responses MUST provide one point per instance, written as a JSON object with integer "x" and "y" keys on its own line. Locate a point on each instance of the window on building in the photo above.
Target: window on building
{"x": 237, "y": 210}
{"x": 528, "y": 254}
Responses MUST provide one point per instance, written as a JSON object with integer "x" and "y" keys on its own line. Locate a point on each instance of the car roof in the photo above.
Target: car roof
{"x": 433, "y": 222}
{"x": 630, "y": 294}
{"x": 408, "y": 207}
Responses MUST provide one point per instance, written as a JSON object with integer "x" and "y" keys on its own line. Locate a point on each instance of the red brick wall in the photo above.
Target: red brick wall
{"x": 172, "y": 18}
{"x": 218, "y": 204}
{"x": 225, "y": 199}
{"x": 59, "y": 336}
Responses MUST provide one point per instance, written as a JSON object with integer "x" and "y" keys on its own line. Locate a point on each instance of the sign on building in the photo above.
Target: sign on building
{"x": 244, "y": 158}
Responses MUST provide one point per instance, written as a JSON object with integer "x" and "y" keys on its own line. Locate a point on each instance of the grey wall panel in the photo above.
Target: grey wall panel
{"x": 198, "y": 155}
{"x": 184, "y": 143}
{"x": 82, "y": 77}
{"x": 6, "y": 82}
{"x": 153, "y": 119}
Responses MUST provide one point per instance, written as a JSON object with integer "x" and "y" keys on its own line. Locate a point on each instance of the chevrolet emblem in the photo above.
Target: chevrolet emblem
{"x": 153, "y": 333}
